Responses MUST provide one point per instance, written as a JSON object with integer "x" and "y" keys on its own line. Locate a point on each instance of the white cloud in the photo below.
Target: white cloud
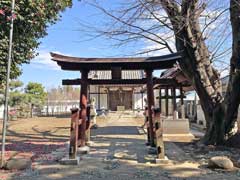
{"x": 224, "y": 73}
{"x": 43, "y": 61}
{"x": 150, "y": 45}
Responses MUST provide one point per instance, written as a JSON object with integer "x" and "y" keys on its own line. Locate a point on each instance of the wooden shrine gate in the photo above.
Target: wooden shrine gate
{"x": 115, "y": 65}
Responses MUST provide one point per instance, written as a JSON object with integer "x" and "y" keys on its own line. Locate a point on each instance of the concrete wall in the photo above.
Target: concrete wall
{"x": 138, "y": 101}
{"x": 201, "y": 119}
{"x": 59, "y": 107}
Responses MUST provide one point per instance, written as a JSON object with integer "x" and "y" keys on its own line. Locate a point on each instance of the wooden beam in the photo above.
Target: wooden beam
{"x": 96, "y": 93}
{"x": 165, "y": 82}
{"x": 172, "y": 83}
{"x": 171, "y": 97}
{"x": 156, "y": 65}
{"x": 116, "y": 81}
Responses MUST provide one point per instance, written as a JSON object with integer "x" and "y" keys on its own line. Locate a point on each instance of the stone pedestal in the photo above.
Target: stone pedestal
{"x": 67, "y": 161}
{"x": 84, "y": 150}
{"x": 164, "y": 160}
{"x": 179, "y": 126}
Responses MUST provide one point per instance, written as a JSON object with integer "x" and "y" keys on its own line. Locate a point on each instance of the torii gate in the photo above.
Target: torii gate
{"x": 116, "y": 65}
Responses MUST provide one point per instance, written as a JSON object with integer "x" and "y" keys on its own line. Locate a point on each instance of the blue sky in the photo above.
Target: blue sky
{"x": 63, "y": 38}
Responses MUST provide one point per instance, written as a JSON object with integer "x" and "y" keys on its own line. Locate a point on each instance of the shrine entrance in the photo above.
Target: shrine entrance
{"x": 116, "y": 66}
{"x": 120, "y": 98}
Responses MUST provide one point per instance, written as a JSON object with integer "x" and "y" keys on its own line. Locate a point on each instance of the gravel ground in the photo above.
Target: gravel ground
{"x": 118, "y": 152}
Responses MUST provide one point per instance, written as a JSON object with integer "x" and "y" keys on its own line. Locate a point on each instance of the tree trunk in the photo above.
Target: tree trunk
{"x": 232, "y": 98}
{"x": 31, "y": 113}
{"x": 220, "y": 115}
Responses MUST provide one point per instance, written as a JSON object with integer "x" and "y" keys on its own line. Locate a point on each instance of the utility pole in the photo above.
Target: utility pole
{"x": 4, "y": 128}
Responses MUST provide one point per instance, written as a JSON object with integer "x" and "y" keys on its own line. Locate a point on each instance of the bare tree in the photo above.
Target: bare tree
{"x": 62, "y": 97}
{"x": 201, "y": 31}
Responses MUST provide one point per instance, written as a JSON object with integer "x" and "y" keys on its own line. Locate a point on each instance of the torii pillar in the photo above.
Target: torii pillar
{"x": 150, "y": 97}
{"x": 83, "y": 108}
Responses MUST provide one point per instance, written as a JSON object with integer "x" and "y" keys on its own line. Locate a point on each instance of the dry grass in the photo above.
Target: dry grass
{"x": 38, "y": 129}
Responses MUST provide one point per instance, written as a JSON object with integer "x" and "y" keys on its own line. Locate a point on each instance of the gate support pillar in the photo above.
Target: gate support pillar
{"x": 150, "y": 97}
{"x": 83, "y": 108}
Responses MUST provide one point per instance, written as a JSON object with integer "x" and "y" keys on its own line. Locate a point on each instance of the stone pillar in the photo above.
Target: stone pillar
{"x": 159, "y": 136}
{"x": 74, "y": 133}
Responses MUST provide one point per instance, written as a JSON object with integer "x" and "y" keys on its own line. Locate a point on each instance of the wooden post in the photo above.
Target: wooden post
{"x": 166, "y": 101}
{"x": 182, "y": 103}
{"x": 160, "y": 100}
{"x": 74, "y": 133}
{"x": 195, "y": 108}
{"x": 150, "y": 97}
{"x": 89, "y": 93}
{"x": 133, "y": 100}
{"x": 108, "y": 99}
{"x": 99, "y": 101}
{"x": 174, "y": 103}
{"x": 83, "y": 107}
{"x": 88, "y": 127}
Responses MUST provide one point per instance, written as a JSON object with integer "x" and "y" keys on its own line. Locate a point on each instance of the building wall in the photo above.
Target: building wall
{"x": 59, "y": 107}
{"x": 138, "y": 100}
{"x": 1, "y": 111}
{"x": 156, "y": 101}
